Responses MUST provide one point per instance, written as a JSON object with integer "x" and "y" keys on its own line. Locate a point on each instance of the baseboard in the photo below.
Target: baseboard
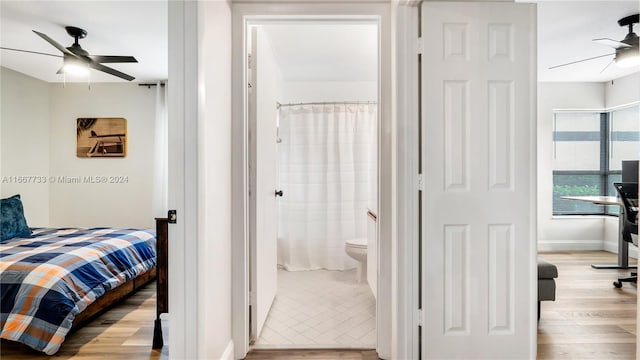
{"x": 613, "y": 247}
{"x": 228, "y": 352}
{"x": 577, "y": 245}
{"x": 571, "y": 245}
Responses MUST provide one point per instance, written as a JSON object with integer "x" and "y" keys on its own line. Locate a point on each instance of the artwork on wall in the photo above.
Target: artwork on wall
{"x": 101, "y": 137}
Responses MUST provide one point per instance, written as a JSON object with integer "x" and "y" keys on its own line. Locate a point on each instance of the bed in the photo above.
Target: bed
{"x": 55, "y": 279}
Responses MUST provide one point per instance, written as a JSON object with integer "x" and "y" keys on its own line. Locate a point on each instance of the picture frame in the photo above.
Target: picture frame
{"x": 101, "y": 137}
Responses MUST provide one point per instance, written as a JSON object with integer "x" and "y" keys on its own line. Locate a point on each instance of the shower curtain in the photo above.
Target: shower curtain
{"x": 327, "y": 162}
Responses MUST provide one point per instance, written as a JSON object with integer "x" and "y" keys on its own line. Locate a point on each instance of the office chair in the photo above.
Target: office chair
{"x": 628, "y": 194}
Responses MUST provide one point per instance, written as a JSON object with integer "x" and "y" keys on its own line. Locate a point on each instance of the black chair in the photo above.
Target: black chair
{"x": 628, "y": 194}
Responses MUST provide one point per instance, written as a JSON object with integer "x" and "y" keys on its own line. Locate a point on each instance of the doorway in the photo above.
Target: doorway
{"x": 244, "y": 14}
{"x": 313, "y": 133}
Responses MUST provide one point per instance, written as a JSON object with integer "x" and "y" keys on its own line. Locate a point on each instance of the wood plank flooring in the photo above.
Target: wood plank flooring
{"x": 124, "y": 332}
{"x": 590, "y": 319}
{"x": 312, "y": 355}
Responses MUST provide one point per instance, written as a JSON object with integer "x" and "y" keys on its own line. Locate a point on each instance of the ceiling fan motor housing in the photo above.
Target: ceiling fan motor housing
{"x": 78, "y": 50}
{"x": 629, "y": 56}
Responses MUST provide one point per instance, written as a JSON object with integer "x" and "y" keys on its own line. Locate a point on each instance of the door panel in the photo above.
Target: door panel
{"x": 263, "y": 171}
{"x": 478, "y": 162}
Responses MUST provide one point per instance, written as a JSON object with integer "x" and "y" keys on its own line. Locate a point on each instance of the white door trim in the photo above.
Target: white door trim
{"x": 241, "y": 13}
{"x": 408, "y": 168}
{"x": 183, "y": 176}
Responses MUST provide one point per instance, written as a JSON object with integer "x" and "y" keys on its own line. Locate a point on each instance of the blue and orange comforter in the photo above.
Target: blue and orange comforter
{"x": 46, "y": 280}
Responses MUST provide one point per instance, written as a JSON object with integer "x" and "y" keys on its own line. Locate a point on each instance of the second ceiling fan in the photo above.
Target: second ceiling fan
{"x": 627, "y": 53}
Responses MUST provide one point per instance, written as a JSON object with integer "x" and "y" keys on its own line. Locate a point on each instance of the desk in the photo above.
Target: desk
{"x": 623, "y": 246}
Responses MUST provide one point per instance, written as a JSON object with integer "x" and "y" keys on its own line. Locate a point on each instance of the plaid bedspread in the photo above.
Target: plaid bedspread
{"x": 46, "y": 280}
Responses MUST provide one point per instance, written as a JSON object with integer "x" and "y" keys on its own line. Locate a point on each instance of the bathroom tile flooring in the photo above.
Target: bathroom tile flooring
{"x": 320, "y": 309}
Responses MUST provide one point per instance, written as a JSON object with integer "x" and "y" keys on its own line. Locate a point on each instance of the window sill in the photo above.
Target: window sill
{"x": 590, "y": 216}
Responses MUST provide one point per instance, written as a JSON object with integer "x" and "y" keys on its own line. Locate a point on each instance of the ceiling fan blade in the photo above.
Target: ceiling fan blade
{"x": 613, "y": 43}
{"x": 29, "y": 51}
{"x": 579, "y": 61}
{"x": 54, "y": 43}
{"x": 113, "y": 59}
{"x": 111, "y": 71}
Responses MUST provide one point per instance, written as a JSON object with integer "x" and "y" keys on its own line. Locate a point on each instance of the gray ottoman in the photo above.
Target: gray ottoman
{"x": 546, "y": 285}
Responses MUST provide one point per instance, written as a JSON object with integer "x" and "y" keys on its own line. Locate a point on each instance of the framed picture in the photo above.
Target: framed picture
{"x": 101, "y": 137}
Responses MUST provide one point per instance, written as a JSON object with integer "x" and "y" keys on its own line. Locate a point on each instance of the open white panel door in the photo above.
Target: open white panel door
{"x": 478, "y": 160}
{"x": 263, "y": 167}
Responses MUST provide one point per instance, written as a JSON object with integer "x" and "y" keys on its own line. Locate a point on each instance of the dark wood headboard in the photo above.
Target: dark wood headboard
{"x": 162, "y": 271}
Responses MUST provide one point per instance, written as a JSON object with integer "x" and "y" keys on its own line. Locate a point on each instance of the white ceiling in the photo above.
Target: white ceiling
{"x": 139, "y": 28}
{"x": 136, "y": 28}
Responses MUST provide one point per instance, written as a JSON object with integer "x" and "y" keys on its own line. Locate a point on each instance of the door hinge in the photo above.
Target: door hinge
{"x": 420, "y": 182}
{"x": 419, "y": 46}
{"x": 419, "y": 317}
{"x": 251, "y": 302}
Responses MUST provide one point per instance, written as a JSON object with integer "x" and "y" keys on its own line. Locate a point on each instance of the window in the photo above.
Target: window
{"x": 588, "y": 149}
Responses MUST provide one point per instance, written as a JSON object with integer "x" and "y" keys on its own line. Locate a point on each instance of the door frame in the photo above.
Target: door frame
{"x": 183, "y": 178}
{"x": 242, "y": 13}
{"x": 407, "y": 114}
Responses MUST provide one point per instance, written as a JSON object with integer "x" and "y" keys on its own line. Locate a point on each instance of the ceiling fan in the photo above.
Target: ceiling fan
{"x": 627, "y": 52}
{"x": 76, "y": 59}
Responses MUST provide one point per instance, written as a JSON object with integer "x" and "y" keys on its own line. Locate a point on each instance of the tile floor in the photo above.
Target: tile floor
{"x": 320, "y": 309}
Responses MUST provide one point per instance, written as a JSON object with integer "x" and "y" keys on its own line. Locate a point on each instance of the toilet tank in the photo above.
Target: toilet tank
{"x": 372, "y": 252}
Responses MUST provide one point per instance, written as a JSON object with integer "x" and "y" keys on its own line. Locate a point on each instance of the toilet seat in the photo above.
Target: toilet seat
{"x": 360, "y": 243}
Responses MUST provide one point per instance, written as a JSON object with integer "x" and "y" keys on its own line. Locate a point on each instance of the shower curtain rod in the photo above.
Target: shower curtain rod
{"x": 278, "y": 105}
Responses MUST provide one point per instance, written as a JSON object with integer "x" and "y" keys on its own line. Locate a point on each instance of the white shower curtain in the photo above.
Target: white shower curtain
{"x": 324, "y": 171}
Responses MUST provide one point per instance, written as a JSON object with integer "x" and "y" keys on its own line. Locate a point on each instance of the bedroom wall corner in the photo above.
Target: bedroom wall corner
{"x": 622, "y": 91}
{"x": 126, "y": 202}
{"x": 24, "y": 143}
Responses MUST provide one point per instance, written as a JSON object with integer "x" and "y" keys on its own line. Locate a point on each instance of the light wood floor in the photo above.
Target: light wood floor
{"x": 590, "y": 319}
{"x": 312, "y": 355}
{"x": 124, "y": 332}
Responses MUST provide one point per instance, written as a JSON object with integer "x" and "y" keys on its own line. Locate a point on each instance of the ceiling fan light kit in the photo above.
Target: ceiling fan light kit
{"x": 73, "y": 66}
{"x": 626, "y": 58}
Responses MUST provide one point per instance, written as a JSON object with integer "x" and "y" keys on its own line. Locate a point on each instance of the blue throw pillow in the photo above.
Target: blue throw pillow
{"x": 12, "y": 218}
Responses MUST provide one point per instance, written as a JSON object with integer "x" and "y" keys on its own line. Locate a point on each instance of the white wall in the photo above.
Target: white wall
{"x": 109, "y": 204}
{"x": 214, "y": 180}
{"x": 622, "y": 91}
{"x": 566, "y": 232}
{"x": 321, "y": 91}
{"x": 40, "y": 119}
{"x": 24, "y": 144}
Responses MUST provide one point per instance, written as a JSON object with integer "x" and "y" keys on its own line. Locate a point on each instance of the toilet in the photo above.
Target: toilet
{"x": 357, "y": 250}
